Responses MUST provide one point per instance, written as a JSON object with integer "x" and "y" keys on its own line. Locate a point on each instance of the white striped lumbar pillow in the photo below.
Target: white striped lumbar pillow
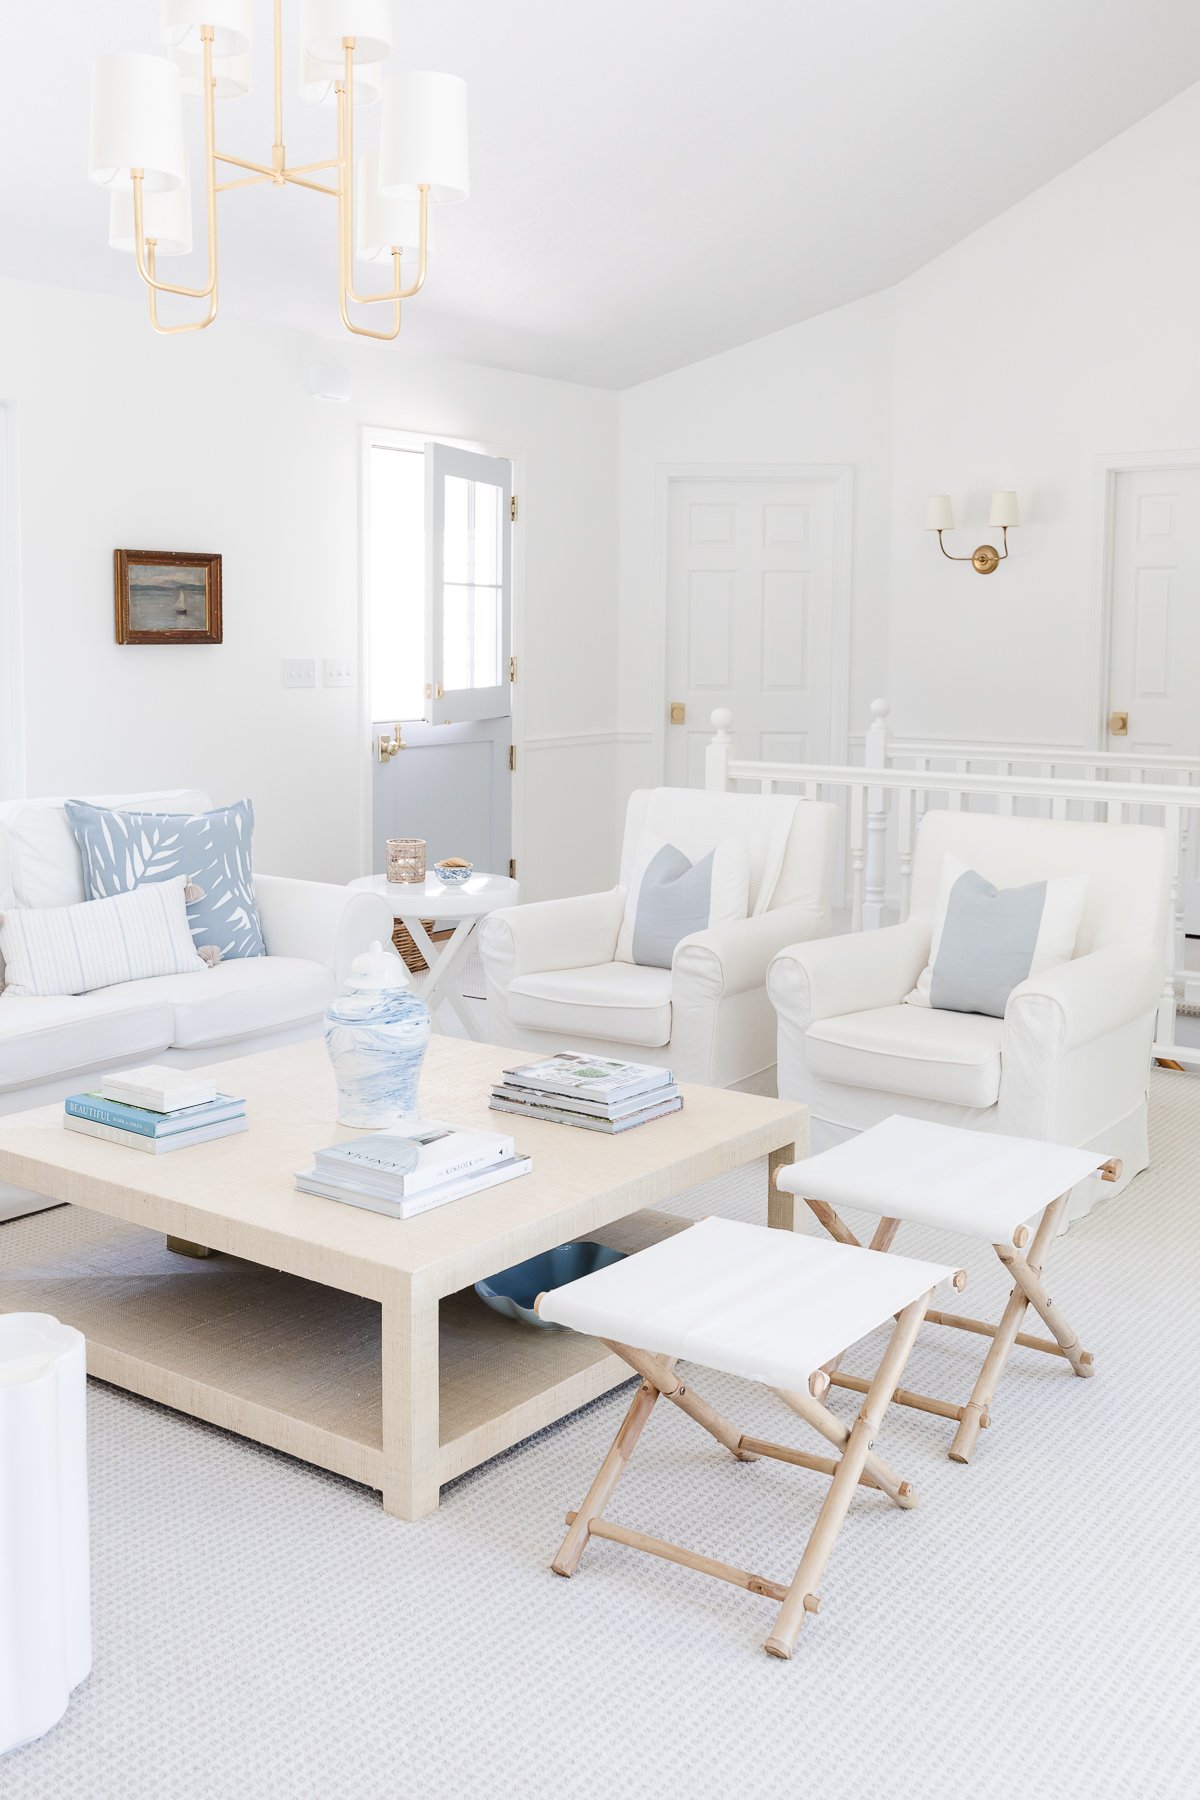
{"x": 73, "y": 949}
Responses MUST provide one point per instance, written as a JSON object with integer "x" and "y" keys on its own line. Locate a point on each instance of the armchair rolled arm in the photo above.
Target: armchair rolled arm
{"x": 851, "y": 973}
{"x": 732, "y": 958}
{"x": 320, "y": 921}
{"x": 551, "y": 934}
{"x": 1077, "y": 1002}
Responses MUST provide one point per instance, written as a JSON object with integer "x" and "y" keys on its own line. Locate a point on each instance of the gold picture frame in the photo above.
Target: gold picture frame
{"x": 167, "y": 597}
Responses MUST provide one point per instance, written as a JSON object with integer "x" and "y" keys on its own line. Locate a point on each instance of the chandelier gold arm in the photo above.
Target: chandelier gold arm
{"x": 345, "y": 96}
{"x": 209, "y": 290}
{"x": 152, "y": 297}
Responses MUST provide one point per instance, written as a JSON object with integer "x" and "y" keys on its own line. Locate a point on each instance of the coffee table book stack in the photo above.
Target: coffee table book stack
{"x": 155, "y": 1110}
{"x": 404, "y": 1176}
{"x": 598, "y": 1093}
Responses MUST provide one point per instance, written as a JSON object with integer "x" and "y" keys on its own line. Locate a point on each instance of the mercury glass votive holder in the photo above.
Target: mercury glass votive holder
{"x": 406, "y": 859}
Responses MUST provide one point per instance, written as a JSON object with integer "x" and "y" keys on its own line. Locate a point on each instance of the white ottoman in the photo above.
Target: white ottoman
{"x": 45, "y": 1607}
{"x": 770, "y": 1307}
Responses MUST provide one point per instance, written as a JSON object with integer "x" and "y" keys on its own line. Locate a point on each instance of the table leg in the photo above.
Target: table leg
{"x": 444, "y": 962}
{"x": 410, "y": 1399}
{"x": 781, "y": 1206}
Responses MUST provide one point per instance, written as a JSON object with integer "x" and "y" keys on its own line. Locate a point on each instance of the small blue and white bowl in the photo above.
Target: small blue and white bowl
{"x": 453, "y": 874}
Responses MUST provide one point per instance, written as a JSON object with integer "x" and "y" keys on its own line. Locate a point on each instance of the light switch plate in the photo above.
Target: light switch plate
{"x": 335, "y": 673}
{"x": 299, "y": 672}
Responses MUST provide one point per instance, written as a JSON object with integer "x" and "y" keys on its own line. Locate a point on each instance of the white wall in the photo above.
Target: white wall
{"x": 1064, "y": 332}
{"x": 211, "y": 443}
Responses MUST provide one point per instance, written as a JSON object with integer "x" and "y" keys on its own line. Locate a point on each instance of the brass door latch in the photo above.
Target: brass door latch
{"x": 391, "y": 746}
{"x": 1118, "y": 724}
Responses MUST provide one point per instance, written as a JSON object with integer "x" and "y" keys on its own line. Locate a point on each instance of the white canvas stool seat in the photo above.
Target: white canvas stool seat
{"x": 981, "y": 1185}
{"x": 770, "y": 1307}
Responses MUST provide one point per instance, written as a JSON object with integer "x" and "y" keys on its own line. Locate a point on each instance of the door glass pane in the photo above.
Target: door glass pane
{"x": 471, "y": 637}
{"x": 456, "y": 544}
{"x": 487, "y": 534}
{"x": 472, "y": 550}
{"x": 396, "y": 583}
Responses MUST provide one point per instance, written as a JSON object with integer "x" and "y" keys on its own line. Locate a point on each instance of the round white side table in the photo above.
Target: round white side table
{"x": 462, "y": 906}
{"x": 45, "y": 1602}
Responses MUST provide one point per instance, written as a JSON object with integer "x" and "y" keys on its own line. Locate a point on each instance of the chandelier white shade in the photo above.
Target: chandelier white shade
{"x": 318, "y": 81}
{"x": 1004, "y": 511}
{"x": 231, "y": 73}
{"x": 326, "y": 24}
{"x": 137, "y": 150}
{"x": 384, "y": 221}
{"x": 939, "y": 514}
{"x": 166, "y": 217}
{"x": 182, "y": 21}
{"x": 423, "y": 136}
{"x": 137, "y": 122}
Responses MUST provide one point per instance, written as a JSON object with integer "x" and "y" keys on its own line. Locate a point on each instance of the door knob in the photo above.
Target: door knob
{"x": 678, "y": 712}
{"x": 1118, "y": 724}
{"x": 391, "y": 746}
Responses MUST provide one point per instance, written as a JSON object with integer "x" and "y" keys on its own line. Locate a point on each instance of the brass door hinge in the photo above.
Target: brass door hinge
{"x": 512, "y": 509}
{"x": 512, "y": 868}
{"x": 512, "y": 668}
{"x": 512, "y": 756}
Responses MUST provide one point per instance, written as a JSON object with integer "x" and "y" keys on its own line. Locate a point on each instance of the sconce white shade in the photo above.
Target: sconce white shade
{"x": 939, "y": 514}
{"x": 423, "y": 135}
{"x": 231, "y": 73}
{"x": 137, "y": 122}
{"x": 167, "y": 218}
{"x": 317, "y": 80}
{"x": 324, "y": 23}
{"x": 230, "y": 20}
{"x": 383, "y": 220}
{"x": 1004, "y": 508}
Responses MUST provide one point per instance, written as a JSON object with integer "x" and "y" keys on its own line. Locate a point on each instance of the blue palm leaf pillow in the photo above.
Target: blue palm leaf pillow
{"x": 124, "y": 850}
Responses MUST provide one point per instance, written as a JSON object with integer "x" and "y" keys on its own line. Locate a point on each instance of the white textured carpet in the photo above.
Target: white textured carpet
{"x": 1030, "y": 1630}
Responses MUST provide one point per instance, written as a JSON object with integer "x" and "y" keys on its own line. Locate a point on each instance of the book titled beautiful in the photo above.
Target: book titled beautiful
{"x": 147, "y": 1123}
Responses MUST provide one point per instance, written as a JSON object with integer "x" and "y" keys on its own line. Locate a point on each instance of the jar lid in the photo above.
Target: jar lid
{"x": 377, "y": 971}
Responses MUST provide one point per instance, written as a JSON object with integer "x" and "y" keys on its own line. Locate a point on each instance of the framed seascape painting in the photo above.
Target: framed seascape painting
{"x": 167, "y": 597}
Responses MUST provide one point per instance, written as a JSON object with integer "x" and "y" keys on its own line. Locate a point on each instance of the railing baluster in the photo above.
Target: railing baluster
{"x": 907, "y": 836}
{"x": 858, "y": 851}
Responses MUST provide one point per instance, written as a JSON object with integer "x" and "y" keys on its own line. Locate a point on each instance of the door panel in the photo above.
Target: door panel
{"x": 451, "y": 786}
{"x": 468, "y": 602}
{"x": 750, "y": 572}
{"x": 1155, "y": 645}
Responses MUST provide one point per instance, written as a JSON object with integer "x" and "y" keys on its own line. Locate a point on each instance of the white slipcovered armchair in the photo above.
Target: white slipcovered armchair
{"x": 554, "y": 981}
{"x": 1068, "y": 1063}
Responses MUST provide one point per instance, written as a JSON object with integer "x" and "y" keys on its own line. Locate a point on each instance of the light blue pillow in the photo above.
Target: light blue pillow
{"x": 123, "y": 850}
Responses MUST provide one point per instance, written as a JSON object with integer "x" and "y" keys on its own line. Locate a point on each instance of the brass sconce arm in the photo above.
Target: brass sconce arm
{"x": 985, "y": 560}
{"x": 345, "y": 190}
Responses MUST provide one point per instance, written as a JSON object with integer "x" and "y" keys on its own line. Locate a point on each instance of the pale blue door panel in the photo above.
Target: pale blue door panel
{"x": 452, "y": 786}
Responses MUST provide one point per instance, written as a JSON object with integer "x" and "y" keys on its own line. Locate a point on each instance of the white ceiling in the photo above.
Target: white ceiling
{"x": 653, "y": 180}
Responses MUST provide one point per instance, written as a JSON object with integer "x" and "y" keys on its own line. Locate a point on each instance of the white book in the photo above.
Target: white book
{"x": 589, "y": 1077}
{"x": 154, "y": 1146}
{"x": 400, "y": 1166}
{"x": 158, "y": 1087}
{"x": 310, "y": 1182}
{"x": 652, "y": 1109}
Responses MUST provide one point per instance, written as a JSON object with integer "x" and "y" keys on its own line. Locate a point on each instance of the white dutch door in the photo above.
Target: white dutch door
{"x": 1155, "y": 651}
{"x": 750, "y": 595}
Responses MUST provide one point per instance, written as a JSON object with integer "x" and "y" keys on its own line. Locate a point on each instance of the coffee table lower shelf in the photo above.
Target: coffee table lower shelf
{"x": 287, "y": 1362}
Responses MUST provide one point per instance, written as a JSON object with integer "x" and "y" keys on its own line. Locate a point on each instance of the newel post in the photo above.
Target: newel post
{"x": 877, "y": 756}
{"x": 717, "y": 754}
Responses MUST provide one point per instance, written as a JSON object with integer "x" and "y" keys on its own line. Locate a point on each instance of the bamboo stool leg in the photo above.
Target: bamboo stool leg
{"x": 660, "y": 1374}
{"x": 607, "y": 1477}
{"x": 819, "y": 1549}
{"x": 1029, "y": 1284}
{"x": 836, "y": 1433}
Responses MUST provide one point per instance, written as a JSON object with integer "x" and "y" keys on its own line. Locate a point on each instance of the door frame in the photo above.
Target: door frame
{"x": 417, "y": 440}
{"x": 839, "y": 477}
{"x": 1109, "y": 467}
{"x": 12, "y": 684}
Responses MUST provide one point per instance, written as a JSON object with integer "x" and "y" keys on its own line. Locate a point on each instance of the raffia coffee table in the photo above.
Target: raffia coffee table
{"x": 334, "y": 1334}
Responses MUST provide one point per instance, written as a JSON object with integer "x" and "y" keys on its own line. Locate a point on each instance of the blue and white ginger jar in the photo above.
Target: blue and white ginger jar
{"x": 377, "y": 1031}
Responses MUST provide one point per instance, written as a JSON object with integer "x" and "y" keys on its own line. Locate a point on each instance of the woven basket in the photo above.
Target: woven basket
{"x": 402, "y": 937}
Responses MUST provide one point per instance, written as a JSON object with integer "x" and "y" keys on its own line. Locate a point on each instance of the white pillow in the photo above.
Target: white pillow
{"x": 74, "y": 949}
{"x": 669, "y": 897}
{"x": 987, "y": 940}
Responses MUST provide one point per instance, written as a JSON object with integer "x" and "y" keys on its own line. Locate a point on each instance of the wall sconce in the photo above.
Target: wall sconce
{"x": 939, "y": 517}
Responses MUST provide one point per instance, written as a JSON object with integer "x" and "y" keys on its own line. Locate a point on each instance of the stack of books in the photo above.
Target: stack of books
{"x": 155, "y": 1109}
{"x": 404, "y": 1176}
{"x": 595, "y": 1092}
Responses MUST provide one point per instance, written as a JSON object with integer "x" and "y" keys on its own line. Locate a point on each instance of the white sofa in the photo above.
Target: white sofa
{"x": 1069, "y": 1061}
{"x": 554, "y": 983}
{"x": 49, "y": 1047}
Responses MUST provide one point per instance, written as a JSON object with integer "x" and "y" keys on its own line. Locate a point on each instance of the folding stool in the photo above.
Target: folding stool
{"x": 973, "y": 1182}
{"x": 771, "y": 1307}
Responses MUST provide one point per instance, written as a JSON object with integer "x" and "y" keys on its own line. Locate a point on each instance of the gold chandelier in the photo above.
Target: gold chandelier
{"x": 383, "y": 206}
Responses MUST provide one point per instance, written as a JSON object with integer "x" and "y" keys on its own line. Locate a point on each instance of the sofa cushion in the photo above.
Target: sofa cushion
{"x": 239, "y": 999}
{"x": 100, "y": 943}
{"x": 621, "y": 1003}
{"x": 45, "y": 1039}
{"x": 911, "y": 1050}
{"x": 40, "y": 864}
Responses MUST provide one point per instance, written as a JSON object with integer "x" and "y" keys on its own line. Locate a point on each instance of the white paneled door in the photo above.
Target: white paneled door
{"x": 752, "y": 568}
{"x": 1155, "y": 651}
